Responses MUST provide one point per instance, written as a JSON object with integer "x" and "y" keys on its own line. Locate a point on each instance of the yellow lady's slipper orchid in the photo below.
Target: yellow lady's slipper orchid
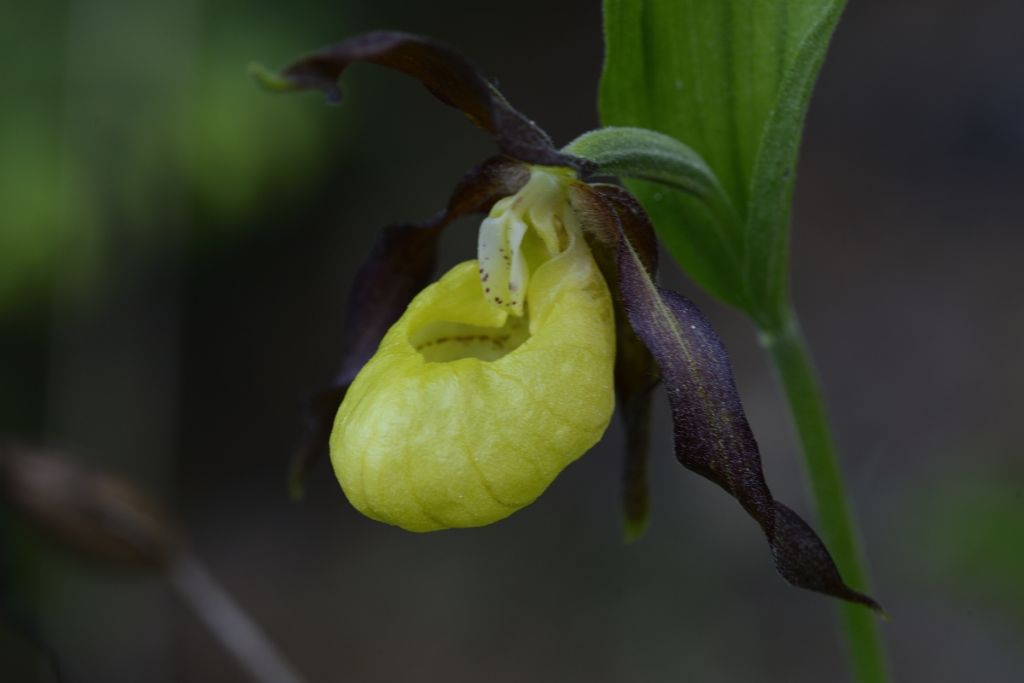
{"x": 500, "y": 374}
{"x": 495, "y": 379}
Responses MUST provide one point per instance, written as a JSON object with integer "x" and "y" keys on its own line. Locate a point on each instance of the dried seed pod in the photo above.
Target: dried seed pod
{"x": 101, "y": 516}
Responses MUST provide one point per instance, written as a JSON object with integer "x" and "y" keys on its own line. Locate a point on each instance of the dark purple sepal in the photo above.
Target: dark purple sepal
{"x": 400, "y": 264}
{"x": 449, "y": 76}
{"x": 636, "y": 376}
{"x": 710, "y": 429}
{"x": 634, "y": 401}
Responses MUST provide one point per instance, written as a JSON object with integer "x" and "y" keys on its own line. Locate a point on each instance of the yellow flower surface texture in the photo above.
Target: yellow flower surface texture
{"x": 495, "y": 378}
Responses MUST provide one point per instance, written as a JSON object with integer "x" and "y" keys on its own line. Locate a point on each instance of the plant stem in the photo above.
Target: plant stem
{"x": 791, "y": 356}
{"x": 231, "y": 625}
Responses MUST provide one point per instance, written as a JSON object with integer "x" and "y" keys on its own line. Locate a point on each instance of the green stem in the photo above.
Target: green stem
{"x": 791, "y": 356}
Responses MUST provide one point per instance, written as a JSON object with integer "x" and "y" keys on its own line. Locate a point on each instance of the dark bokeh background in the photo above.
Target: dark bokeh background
{"x": 175, "y": 252}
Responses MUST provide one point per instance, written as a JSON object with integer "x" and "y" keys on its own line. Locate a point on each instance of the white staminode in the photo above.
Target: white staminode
{"x": 505, "y": 247}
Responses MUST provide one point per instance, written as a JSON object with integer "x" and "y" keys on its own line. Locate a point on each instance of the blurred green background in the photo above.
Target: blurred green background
{"x": 176, "y": 248}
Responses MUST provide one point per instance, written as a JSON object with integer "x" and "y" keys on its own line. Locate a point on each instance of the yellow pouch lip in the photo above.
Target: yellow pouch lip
{"x": 428, "y": 445}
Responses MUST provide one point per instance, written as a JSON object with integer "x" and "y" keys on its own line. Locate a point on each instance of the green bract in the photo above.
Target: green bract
{"x": 467, "y": 412}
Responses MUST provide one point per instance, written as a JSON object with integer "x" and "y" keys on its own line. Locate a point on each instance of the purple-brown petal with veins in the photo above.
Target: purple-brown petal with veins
{"x": 711, "y": 433}
{"x": 449, "y": 76}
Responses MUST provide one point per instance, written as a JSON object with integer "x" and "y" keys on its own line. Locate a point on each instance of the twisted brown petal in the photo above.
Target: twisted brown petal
{"x": 711, "y": 433}
{"x": 636, "y": 376}
{"x": 449, "y": 76}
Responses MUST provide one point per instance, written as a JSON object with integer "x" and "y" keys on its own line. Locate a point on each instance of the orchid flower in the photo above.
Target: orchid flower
{"x": 460, "y": 401}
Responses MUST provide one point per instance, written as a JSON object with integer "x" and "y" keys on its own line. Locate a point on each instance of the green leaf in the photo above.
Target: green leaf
{"x": 731, "y": 79}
